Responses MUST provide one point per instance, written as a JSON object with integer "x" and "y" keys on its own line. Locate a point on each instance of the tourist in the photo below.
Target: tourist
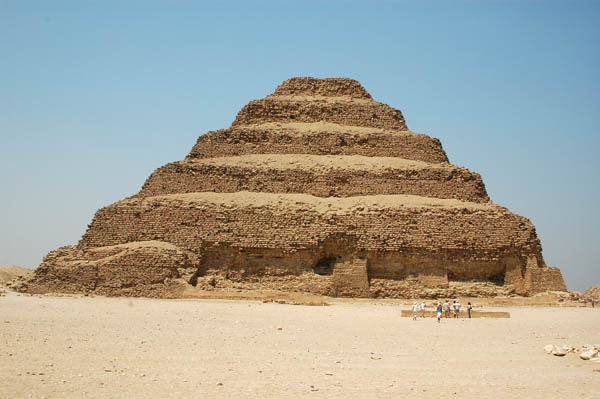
{"x": 469, "y": 308}
{"x": 446, "y": 309}
{"x": 423, "y": 309}
{"x": 415, "y": 311}
{"x": 455, "y": 310}
{"x": 584, "y": 303}
{"x": 439, "y": 311}
{"x": 593, "y": 302}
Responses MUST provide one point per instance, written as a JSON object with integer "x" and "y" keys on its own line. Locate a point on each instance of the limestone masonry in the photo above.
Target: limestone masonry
{"x": 315, "y": 188}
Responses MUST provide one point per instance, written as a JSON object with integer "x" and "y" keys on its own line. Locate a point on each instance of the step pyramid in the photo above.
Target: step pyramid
{"x": 315, "y": 188}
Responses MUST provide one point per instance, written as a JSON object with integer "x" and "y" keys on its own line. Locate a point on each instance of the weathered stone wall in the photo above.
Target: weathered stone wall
{"x": 543, "y": 279}
{"x": 256, "y": 240}
{"x": 365, "y": 114}
{"x": 134, "y": 269}
{"x": 437, "y": 182}
{"x": 329, "y": 87}
{"x": 416, "y": 251}
{"x": 350, "y": 276}
{"x": 249, "y": 140}
{"x": 187, "y": 219}
{"x": 413, "y": 288}
{"x": 392, "y": 274}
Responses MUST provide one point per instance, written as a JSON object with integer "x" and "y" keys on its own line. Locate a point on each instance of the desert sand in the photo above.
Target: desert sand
{"x": 97, "y": 347}
{"x": 317, "y": 162}
{"x": 344, "y": 205}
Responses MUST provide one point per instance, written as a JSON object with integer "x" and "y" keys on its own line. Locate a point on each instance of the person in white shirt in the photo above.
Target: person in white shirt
{"x": 423, "y": 309}
{"x": 415, "y": 311}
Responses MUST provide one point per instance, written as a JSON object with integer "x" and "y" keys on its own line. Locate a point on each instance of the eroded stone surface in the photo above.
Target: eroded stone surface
{"x": 315, "y": 188}
{"x": 319, "y": 138}
{"x": 318, "y": 175}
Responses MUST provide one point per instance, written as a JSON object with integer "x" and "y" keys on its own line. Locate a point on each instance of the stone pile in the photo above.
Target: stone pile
{"x": 592, "y": 293}
{"x": 315, "y": 188}
{"x": 585, "y": 352}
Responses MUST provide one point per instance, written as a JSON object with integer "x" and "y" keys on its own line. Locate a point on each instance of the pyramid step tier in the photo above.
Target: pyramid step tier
{"x": 329, "y": 87}
{"x": 319, "y": 138}
{"x": 317, "y": 175}
{"x": 292, "y": 221}
{"x": 343, "y": 111}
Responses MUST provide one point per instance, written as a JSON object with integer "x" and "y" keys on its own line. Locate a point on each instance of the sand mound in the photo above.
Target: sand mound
{"x": 8, "y": 273}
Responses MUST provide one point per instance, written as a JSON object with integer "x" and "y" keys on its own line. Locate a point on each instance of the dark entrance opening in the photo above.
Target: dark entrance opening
{"x": 198, "y": 273}
{"x": 324, "y": 267}
{"x": 493, "y": 274}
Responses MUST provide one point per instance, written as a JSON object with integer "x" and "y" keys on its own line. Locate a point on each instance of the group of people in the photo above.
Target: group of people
{"x": 444, "y": 308}
{"x": 593, "y": 302}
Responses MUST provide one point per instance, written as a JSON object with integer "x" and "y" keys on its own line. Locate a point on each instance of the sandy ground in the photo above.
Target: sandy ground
{"x": 95, "y": 347}
{"x": 308, "y": 128}
{"x": 317, "y": 162}
{"x": 338, "y": 205}
{"x": 322, "y": 99}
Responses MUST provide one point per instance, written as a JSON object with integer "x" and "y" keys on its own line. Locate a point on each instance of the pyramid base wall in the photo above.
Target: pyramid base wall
{"x": 154, "y": 269}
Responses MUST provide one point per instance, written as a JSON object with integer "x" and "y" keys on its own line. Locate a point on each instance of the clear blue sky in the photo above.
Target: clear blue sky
{"x": 94, "y": 95}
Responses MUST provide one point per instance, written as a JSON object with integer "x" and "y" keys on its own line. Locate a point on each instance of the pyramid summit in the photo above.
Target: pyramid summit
{"x": 328, "y": 87}
{"x": 315, "y": 188}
